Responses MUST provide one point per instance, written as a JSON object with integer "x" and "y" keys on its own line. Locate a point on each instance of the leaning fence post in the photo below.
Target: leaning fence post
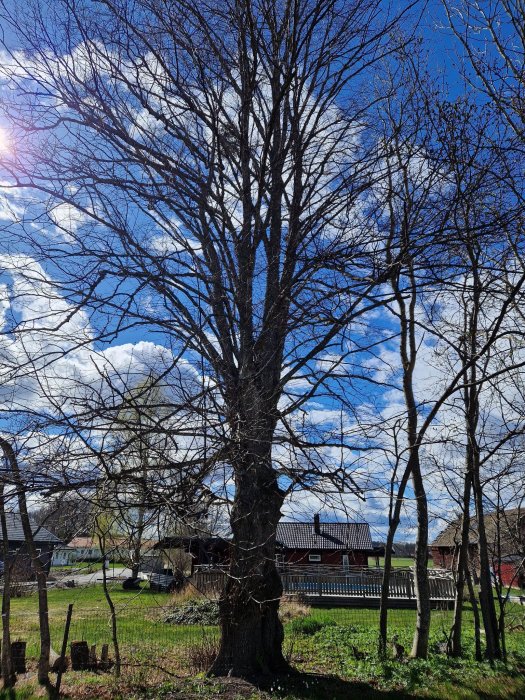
{"x": 62, "y": 661}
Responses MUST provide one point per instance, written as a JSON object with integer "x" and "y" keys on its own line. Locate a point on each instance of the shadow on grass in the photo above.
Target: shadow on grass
{"x": 312, "y": 686}
{"x": 301, "y": 686}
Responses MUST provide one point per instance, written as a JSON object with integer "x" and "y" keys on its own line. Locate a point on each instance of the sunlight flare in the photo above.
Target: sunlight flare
{"x": 5, "y": 142}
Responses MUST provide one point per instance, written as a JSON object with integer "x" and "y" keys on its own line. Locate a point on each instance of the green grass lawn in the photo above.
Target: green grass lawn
{"x": 335, "y": 653}
{"x": 140, "y": 615}
{"x": 514, "y": 591}
{"x": 348, "y": 651}
{"x": 85, "y": 567}
{"x": 397, "y": 562}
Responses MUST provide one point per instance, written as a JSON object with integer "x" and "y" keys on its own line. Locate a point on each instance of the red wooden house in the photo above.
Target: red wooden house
{"x": 310, "y": 544}
{"x": 323, "y": 544}
{"x": 506, "y": 544}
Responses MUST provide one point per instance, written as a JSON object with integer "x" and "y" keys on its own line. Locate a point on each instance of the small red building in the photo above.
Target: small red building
{"x": 323, "y": 544}
{"x": 505, "y": 530}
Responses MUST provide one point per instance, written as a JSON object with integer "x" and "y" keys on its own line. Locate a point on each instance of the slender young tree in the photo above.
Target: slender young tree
{"x": 17, "y": 480}
{"x": 8, "y": 674}
{"x": 412, "y": 209}
{"x": 488, "y": 238}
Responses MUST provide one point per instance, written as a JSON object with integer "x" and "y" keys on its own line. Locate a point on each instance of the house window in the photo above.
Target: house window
{"x": 279, "y": 559}
{"x": 314, "y": 557}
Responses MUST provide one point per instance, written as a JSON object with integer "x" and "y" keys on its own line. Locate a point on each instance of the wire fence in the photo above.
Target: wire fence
{"x": 178, "y": 632}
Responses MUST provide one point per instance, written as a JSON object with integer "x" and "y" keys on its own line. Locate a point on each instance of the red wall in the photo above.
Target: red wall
{"x": 443, "y": 559}
{"x": 328, "y": 557}
{"x": 510, "y": 575}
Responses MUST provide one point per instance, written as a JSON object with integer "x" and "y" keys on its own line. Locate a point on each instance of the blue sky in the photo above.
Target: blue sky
{"x": 443, "y": 59}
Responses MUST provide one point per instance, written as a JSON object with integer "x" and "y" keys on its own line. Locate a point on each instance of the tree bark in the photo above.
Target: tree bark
{"x": 38, "y": 568}
{"x": 8, "y": 674}
{"x": 137, "y": 543}
{"x": 455, "y": 646}
{"x": 486, "y": 597}
{"x": 385, "y": 588}
{"x": 111, "y": 605}
{"x": 475, "y": 612}
{"x": 422, "y": 631}
{"x": 385, "y": 584}
{"x": 251, "y": 631}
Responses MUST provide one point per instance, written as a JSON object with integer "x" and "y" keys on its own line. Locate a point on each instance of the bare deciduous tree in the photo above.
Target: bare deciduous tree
{"x": 203, "y": 164}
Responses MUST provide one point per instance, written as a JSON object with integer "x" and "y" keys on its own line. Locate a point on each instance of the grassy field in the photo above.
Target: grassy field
{"x": 140, "y": 620}
{"x": 397, "y": 562}
{"x": 84, "y": 567}
{"x": 334, "y": 649}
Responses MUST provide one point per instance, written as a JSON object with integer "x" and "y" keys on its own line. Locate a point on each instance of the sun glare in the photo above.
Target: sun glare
{"x": 5, "y": 145}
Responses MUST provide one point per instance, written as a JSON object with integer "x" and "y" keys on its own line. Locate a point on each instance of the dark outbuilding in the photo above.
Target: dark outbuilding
{"x": 19, "y": 559}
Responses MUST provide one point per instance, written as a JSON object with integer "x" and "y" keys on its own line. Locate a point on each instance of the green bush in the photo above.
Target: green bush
{"x": 309, "y": 625}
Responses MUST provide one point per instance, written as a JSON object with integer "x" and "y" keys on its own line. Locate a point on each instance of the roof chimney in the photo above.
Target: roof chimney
{"x": 317, "y": 524}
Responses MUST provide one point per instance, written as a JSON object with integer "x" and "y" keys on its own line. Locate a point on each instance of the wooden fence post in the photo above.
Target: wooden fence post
{"x": 18, "y": 653}
{"x": 62, "y": 662}
{"x": 79, "y": 656}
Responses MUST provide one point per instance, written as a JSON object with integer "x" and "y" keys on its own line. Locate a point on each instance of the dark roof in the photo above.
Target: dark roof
{"x": 511, "y": 535}
{"x": 332, "y": 536}
{"x": 191, "y": 542}
{"x": 15, "y": 531}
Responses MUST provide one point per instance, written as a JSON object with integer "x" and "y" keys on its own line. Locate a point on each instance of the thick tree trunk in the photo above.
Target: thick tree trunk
{"x": 251, "y": 631}
{"x": 422, "y": 631}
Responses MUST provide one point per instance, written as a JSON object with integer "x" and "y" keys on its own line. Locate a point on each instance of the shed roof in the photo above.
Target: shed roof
{"x": 84, "y": 542}
{"x": 90, "y": 542}
{"x": 503, "y": 528}
{"x": 332, "y": 536}
{"x": 15, "y": 531}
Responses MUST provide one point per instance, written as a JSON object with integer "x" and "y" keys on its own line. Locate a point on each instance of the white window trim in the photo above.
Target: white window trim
{"x": 314, "y": 557}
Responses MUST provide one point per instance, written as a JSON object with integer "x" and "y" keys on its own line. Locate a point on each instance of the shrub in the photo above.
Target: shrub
{"x": 199, "y": 611}
{"x": 292, "y": 607}
{"x": 309, "y": 625}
